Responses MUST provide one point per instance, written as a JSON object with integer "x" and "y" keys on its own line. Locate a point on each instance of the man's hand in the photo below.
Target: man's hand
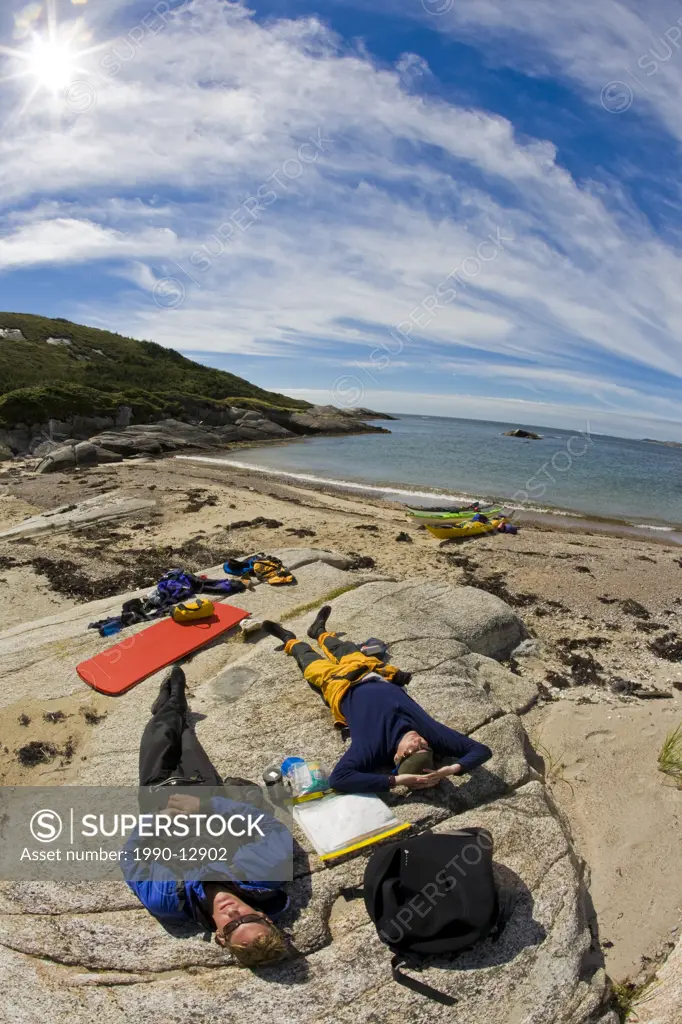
{"x": 418, "y": 781}
{"x": 447, "y": 771}
{"x": 428, "y": 779}
{"x": 185, "y": 804}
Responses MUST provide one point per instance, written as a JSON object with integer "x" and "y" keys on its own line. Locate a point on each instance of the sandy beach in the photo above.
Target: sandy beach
{"x": 604, "y": 612}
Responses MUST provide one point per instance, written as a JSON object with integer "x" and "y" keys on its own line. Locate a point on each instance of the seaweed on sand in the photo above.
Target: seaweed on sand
{"x": 668, "y": 646}
{"x": 36, "y": 752}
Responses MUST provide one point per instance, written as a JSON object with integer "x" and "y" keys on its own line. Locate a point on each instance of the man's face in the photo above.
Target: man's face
{"x": 410, "y": 744}
{"x": 228, "y": 908}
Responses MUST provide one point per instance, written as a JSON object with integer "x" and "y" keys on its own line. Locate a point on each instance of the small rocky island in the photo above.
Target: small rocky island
{"x": 666, "y": 444}
{"x": 527, "y": 434}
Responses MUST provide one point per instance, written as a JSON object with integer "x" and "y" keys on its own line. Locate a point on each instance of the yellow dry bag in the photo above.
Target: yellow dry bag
{"x": 190, "y": 611}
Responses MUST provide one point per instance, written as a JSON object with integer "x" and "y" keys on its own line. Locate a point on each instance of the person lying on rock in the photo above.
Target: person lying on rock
{"x": 393, "y": 740}
{"x": 239, "y": 912}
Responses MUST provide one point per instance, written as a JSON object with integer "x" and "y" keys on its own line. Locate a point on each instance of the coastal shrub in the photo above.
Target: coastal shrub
{"x": 110, "y": 363}
{"x": 35, "y": 405}
{"x": 624, "y": 997}
{"x": 63, "y": 401}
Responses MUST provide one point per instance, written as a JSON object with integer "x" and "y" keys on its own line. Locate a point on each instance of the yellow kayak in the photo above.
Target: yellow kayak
{"x": 467, "y": 529}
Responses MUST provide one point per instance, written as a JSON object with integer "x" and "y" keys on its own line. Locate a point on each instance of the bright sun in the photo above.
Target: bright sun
{"x": 51, "y": 64}
{"x": 51, "y": 57}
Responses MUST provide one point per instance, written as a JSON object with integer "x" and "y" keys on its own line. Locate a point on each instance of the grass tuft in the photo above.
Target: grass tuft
{"x": 554, "y": 766}
{"x": 301, "y": 609}
{"x": 670, "y": 757}
{"x": 625, "y": 994}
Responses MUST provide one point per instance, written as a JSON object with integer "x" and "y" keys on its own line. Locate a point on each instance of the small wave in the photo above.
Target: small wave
{"x": 540, "y": 508}
{"x": 400, "y": 493}
{"x": 369, "y": 488}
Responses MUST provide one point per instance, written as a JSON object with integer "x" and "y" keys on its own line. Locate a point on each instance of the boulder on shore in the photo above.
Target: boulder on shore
{"x": 72, "y": 456}
{"x": 328, "y": 419}
{"x": 98, "y": 509}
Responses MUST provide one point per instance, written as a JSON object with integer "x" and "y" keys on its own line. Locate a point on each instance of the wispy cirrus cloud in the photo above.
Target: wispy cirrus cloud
{"x": 189, "y": 167}
{"x": 620, "y": 52}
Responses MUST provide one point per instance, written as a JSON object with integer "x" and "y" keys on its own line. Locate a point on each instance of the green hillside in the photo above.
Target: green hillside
{"x": 99, "y": 370}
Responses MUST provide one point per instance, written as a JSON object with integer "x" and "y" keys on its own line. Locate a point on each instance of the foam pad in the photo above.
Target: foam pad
{"x": 132, "y": 660}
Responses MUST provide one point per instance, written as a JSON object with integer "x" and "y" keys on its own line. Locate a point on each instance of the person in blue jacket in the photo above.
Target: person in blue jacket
{"x": 393, "y": 740}
{"x": 236, "y": 898}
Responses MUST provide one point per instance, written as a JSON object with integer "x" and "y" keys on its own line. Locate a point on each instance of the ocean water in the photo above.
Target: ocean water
{"x": 434, "y": 459}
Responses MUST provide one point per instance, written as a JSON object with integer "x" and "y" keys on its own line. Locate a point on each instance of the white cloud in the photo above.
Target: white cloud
{"x": 65, "y": 240}
{"x": 412, "y": 67}
{"x": 634, "y": 47}
{"x": 363, "y": 228}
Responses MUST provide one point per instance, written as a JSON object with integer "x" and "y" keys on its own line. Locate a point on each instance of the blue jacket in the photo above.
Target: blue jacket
{"x": 378, "y": 715}
{"x": 174, "y": 891}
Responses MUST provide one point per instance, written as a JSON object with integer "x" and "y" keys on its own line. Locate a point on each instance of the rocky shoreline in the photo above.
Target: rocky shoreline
{"x": 89, "y": 441}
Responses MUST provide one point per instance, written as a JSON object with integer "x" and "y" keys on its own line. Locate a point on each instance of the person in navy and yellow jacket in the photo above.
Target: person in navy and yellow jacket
{"x": 393, "y": 740}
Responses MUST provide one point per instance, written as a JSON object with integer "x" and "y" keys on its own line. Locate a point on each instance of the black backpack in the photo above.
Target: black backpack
{"x": 434, "y": 895}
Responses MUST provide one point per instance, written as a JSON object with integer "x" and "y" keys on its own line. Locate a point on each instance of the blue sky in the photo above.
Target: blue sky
{"x": 470, "y": 208}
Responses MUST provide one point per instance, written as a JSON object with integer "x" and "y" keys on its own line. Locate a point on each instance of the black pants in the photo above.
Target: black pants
{"x": 304, "y": 654}
{"x": 170, "y": 749}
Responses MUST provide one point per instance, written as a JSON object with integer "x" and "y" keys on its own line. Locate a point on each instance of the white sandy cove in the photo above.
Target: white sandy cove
{"x": 352, "y": 485}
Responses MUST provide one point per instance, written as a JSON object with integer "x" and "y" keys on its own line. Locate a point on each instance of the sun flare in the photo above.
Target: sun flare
{"x": 51, "y": 58}
{"x": 51, "y": 64}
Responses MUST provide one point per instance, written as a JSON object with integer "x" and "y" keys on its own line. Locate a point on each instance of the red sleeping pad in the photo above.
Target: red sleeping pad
{"x": 132, "y": 660}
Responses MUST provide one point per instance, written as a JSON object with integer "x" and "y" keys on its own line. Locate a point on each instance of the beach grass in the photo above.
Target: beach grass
{"x": 301, "y": 609}
{"x": 554, "y": 766}
{"x": 670, "y": 757}
{"x": 628, "y": 995}
{"x": 624, "y": 996}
